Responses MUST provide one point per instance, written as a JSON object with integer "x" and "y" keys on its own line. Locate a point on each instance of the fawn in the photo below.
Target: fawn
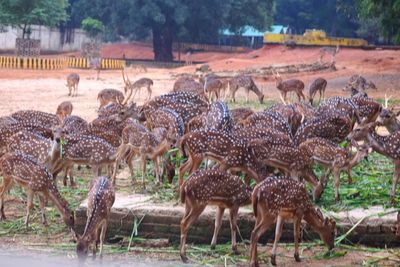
{"x": 72, "y": 84}
{"x": 64, "y": 109}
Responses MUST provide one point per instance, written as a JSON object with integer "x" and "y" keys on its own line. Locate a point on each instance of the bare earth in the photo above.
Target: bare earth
{"x": 44, "y": 90}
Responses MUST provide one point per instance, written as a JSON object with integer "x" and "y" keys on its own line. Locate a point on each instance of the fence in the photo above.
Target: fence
{"x": 56, "y": 63}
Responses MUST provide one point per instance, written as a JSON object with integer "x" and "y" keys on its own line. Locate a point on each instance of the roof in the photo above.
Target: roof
{"x": 249, "y": 31}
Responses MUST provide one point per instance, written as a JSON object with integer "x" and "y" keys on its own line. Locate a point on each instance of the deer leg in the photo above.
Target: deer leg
{"x": 395, "y": 180}
{"x": 233, "y": 222}
{"x": 157, "y": 169}
{"x": 102, "y": 237}
{"x": 282, "y": 98}
{"x": 42, "y": 205}
{"x": 263, "y": 223}
{"x": 143, "y": 161}
{"x": 218, "y": 223}
{"x": 247, "y": 95}
{"x": 183, "y": 169}
{"x": 7, "y": 182}
{"x": 278, "y": 233}
{"x": 336, "y": 180}
{"x": 301, "y": 95}
{"x": 349, "y": 176}
{"x": 95, "y": 242}
{"x": 130, "y": 165}
{"x": 194, "y": 212}
{"x": 29, "y": 206}
{"x": 149, "y": 91}
{"x": 296, "y": 226}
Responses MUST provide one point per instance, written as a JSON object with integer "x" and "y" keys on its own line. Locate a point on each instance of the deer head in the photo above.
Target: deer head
{"x": 277, "y": 77}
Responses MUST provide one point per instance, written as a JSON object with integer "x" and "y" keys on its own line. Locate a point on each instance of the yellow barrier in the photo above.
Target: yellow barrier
{"x": 56, "y": 63}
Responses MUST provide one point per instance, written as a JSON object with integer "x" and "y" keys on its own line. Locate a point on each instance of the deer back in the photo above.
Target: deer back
{"x": 44, "y": 119}
{"x": 74, "y": 124}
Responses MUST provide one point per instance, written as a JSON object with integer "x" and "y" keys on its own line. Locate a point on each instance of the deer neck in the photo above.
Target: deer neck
{"x": 257, "y": 91}
{"x": 312, "y": 218}
{"x": 356, "y": 158}
{"x": 60, "y": 203}
{"x": 377, "y": 142}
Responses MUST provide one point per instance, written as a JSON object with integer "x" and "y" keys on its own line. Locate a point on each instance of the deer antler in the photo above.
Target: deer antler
{"x": 387, "y": 100}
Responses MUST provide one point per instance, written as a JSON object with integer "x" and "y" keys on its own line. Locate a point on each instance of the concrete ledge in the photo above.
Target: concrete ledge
{"x": 163, "y": 221}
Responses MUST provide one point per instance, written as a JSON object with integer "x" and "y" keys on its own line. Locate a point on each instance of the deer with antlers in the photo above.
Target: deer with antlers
{"x": 334, "y": 158}
{"x": 72, "y": 84}
{"x": 388, "y": 117}
{"x": 278, "y": 199}
{"x": 136, "y": 87}
{"x": 26, "y": 172}
{"x": 64, "y": 109}
{"x": 246, "y": 82}
{"x": 388, "y": 146}
{"x": 107, "y": 96}
{"x": 212, "y": 187}
{"x": 328, "y": 50}
{"x": 317, "y": 86}
{"x": 101, "y": 198}
{"x": 292, "y": 85}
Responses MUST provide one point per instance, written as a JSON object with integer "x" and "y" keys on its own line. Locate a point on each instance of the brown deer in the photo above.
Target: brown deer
{"x": 217, "y": 117}
{"x": 138, "y": 141}
{"x": 26, "y": 172}
{"x": 388, "y": 118}
{"x": 101, "y": 198}
{"x": 318, "y": 85}
{"x": 136, "y": 86}
{"x": 328, "y": 50}
{"x": 292, "y": 85}
{"x": 64, "y": 109}
{"x": 246, "y": 82}
{"x": 106, "y": 96}
{"x": 388, "y": 146}
{"x": 70, "y": 149}
{"x": 367, "y": 108}
{"x": 240, "y": 114}
{"x": 268, "y": 119}
{"x": 360, "y": 83}
{"x": 41, "y": 118}
{"x": 278, "y": 199}
{"x": 212, "y": 187}
{"x": 72, "y": 84}
{"x": 334, "y": 158}
{"x": 74, "y": 124}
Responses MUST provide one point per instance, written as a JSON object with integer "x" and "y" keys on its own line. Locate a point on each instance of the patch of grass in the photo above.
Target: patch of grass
{"x": 255, "y": 105}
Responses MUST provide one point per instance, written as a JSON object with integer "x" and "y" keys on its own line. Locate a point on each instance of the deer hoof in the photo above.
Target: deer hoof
{"x": 297, "y": 257}
{"x": 184, "y": 258}
{"x": 273, "y": 260}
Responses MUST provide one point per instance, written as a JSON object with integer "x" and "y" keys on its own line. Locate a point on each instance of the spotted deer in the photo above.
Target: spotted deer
{"x": 334, "y": 158}
{"x": 388, "y": 146}
{"x": 101, "y": 198}
{"x": 292, "y": 85}
{"x": 230, "y": 152}
{"x": 6, "y": 121}
{"x": 339, "y": 104}
{"x": 388, "y": 118}
{"x": 212, "y": 187}
{"x": 64, "y": 109}
{"x": 317, "y": 86}
{"x": 217, "y": 117}
{"x": 138, "y": 141}
{"x": 26, "y": 172}
{"x": 278, "y": 199}
{"x": 328, "y": 50}
{"x": 74, "y": 124}
{"x": 107, "y": 96}
{"x": 136, "y": 87}
{"x": 41, "y": 118}
{"x": 240, "y": 114}
{"x": 360, "y": 83}
{"x": 72, "y": 84}
{"x": 246, "y": 82}
{"x": 70, "y": 149}
{"x": 367, "y": 108}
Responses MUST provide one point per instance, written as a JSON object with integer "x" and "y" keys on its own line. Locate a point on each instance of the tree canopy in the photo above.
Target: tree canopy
{"x": 23, "y": 13}
{"x": 92, "y": 27}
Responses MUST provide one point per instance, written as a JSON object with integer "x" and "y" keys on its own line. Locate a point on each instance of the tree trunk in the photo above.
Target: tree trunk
{"x": 162, "y": 42}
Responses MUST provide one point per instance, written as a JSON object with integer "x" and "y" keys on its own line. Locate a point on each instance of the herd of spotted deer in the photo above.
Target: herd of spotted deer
{"x": 276, "y": 147}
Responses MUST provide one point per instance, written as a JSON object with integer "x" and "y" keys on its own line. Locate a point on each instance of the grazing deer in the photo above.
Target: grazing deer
{"x": 107, "y": 96}
{"x": 26, "y": 172}
{"x": 278, "y": 199}
{"x": 246, "y": 82}
{"x": 41, "y": 118}
{"x": 268, "y": 119}
{"x": 230, "y": 152}
{"x": 329, "y": 51}
{"x": 213, "y": 87}
{"x": 70, "y": 149}
{"x": 212, "y": 187}
{"x": 339, "y": 104}
{"x": 334, "y": 158}
{"x": 217, "y": 117}
{"x": 74, "y": 124}
{"x": 138, "y": 141}
{"x": 64, "y": 109}
{"x": 72, "y": 84}
{"x": 101, "y": 198}
{"x": 333, "y": 126}
{"x": 388, "y": 146}
{"x": 318, "y": 85}
{"x": 360, "y": 83}
{"x": 136, "y": 86}
{"x": 292, "y": 85}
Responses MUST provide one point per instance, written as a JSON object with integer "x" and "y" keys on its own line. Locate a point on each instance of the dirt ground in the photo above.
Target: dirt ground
{"x": 44, "y": 90}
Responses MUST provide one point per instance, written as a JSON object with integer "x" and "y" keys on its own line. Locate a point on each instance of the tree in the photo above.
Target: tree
{"x": 24, "y": 13}
{"x": 166, "y": 21}
{"x": 387, "y": 12}
{"x": 93, "y": 27}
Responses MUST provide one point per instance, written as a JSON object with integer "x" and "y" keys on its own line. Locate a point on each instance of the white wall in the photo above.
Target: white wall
{"x": 50, "y": 38}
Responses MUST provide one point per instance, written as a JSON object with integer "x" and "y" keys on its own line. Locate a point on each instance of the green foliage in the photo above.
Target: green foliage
{"x": 23, "y": 13}
{"x": 92, "y": 27}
